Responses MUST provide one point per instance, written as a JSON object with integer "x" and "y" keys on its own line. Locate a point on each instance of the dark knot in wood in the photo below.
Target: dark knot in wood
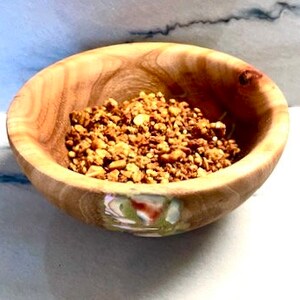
{"x": 247, "y": 76}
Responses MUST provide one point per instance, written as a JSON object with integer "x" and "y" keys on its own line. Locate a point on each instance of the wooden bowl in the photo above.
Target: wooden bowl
{"x": 250, "y": 103}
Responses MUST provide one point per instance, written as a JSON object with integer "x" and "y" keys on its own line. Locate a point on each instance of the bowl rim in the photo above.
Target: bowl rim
{"x": 263, "y": 156}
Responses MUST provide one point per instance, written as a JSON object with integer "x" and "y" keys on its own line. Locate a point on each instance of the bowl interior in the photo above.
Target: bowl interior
{"x": 223, "y": 87}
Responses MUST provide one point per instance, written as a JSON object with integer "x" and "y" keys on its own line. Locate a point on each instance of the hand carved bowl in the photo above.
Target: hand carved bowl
{"x": 248, "y": 101}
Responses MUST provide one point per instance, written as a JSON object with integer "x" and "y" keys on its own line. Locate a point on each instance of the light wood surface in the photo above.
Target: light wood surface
{"x": 222, "y": 86}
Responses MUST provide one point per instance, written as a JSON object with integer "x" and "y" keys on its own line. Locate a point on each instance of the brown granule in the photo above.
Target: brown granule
{"x": 148, "y": 139}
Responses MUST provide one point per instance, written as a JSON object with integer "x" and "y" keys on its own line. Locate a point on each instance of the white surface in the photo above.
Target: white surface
{"x": 253, "y": 253}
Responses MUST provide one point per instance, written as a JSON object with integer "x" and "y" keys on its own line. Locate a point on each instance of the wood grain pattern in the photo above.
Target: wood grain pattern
{"x": 221, "y": 85}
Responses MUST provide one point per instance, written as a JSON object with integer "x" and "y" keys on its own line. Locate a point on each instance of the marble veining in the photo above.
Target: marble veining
{"x": 17, "y": 178}
{"x": 254, "y": 13}
{"x": 9, "y": 175}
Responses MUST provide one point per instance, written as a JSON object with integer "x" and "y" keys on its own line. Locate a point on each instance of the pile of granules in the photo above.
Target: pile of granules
{"x": 148, "y": 139}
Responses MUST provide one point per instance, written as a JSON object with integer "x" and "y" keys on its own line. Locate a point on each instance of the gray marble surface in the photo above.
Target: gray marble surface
{"x": 252, "y": 253}
{"x": 36, "y": 33}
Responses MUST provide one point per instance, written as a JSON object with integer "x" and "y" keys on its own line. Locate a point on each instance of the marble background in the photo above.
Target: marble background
{"x": 36, "y": 33}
